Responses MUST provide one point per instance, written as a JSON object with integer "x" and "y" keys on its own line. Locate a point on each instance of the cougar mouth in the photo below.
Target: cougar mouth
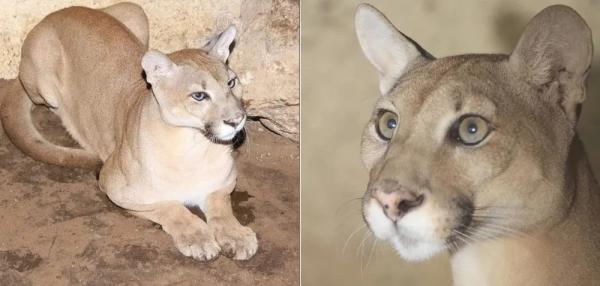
{"x": 237, "y": 136}
{"x": 427, "y": 230}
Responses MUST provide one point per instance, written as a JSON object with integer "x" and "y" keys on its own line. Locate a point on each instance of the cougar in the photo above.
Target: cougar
{"x": 161, "y": 148}
{"x": 478, "y": 154}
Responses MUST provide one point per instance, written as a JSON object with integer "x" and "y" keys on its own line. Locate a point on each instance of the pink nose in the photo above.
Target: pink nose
{"x": 233, "y": 122}
{"x": 397, "y": 203}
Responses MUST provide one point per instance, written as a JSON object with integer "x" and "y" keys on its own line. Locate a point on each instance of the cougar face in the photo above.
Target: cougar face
{"x": 195, "y": 88}
{"x": 457, "y": 148}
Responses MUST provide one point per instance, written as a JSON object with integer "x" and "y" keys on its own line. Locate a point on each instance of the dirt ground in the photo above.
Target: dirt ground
{"x": 57, "y": 228}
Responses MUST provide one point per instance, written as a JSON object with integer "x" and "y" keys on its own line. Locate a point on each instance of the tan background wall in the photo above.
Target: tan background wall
{"x": 339, "y": 87}
{"x": 266, "y": 54}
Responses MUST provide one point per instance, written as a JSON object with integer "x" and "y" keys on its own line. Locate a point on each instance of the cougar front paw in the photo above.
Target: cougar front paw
{"x": 236, "y": 241}
{"x": 199, "y": 244}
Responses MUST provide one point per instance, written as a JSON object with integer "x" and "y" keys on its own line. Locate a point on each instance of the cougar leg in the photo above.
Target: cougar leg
{"x": 235, "y": 240}
{"x": 191, "y": 235}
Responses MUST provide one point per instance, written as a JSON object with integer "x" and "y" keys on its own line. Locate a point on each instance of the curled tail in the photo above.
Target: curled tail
{"x": 15, "y": 115}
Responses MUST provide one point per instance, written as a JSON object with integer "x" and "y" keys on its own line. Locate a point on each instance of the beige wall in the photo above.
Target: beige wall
{"x": 339, "y": 87}
{"x": 266, "y": 54}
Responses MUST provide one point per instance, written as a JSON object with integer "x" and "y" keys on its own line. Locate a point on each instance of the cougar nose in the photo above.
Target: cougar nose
{"x": 235, "y": 121}
{"x": 395, "y": 200}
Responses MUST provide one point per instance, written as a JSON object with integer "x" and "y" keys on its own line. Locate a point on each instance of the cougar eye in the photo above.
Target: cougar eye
{"x": 471, "y": 130}
{"x": 386, "y": 124}
{"x": 200, "y": 95}
{"x": 231, "y": 83}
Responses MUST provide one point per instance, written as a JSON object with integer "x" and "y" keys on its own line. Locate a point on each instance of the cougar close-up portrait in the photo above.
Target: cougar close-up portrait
{"x": 474, "y": 116}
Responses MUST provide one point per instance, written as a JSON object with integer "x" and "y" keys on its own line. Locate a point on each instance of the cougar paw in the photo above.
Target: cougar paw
{"x": 200, "y": 245}
{"x": 236, "y": 241}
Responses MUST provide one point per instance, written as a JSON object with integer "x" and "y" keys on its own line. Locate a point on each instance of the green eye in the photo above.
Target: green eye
{"x": 471, "y": 130}
{"x": 386, "y": 124}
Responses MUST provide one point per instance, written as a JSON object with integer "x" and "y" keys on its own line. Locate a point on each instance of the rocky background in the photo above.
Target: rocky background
{"x": 266, "y": 55}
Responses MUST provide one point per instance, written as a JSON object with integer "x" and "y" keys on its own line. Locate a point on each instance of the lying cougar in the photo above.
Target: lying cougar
{"x": 161, "y": 148}
{"x": 479, "y": 155}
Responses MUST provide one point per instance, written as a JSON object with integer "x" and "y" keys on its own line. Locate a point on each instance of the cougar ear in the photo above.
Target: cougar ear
{"x": 554, "y": 55}
{"x": 391, "y": 52}
{"x": 157, "y": 65}
{"x": 218, "y": 46}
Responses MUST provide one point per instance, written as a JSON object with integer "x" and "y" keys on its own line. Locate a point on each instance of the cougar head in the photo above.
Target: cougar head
{"x": 195, "y": 88}
{"x": 471, "y": 147}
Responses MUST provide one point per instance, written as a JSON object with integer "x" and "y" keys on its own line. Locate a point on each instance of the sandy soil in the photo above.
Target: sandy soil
{"x": 57, "y": 228}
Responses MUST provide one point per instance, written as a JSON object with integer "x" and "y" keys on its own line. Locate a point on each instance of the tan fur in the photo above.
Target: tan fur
{"x": 522, "y": 206}
{"x": 161, "y": 149}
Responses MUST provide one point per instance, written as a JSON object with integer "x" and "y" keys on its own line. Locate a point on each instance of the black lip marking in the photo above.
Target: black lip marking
{"x": 465, "y": 209}
{"x": 236, "y": 141}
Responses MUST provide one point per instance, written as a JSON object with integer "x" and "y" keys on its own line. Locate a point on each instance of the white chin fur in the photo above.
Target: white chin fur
{"x": 413, "y": 236}
{"x": 416, "y": 250}
{"x": 226, "y": 132}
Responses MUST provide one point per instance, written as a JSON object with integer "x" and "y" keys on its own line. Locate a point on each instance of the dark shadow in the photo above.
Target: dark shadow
{"x": 148, "y": 85}
{"x": 197, "y": 211}
{"x": 231, "y": 48}
{"x": 239, "y": 139}
{"x": 590, "y": 116}
{"x": 243, "y": 212}
{"x": 50, "y": 125}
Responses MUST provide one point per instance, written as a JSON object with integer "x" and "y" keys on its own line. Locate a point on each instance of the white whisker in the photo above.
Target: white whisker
{"x": 350, "y": 237}
{"x": 361, "y": 257}
{"x": 365, "y": 237}
{"x": 371, "y": 253}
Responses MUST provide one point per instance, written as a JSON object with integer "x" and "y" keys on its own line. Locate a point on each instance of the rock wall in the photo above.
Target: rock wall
{"x": 266, "y": 55}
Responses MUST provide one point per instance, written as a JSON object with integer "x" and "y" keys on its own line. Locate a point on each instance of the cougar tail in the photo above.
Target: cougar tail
{"x": 15, "y": 115}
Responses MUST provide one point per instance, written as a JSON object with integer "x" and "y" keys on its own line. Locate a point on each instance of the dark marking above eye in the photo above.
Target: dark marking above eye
{"x": 458, "y": 105}
{"x": 203, "y": 84}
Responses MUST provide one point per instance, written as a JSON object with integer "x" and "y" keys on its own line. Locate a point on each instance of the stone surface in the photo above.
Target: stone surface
{"x": 266, "y": 55}
{"x": 270, "y": 55}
